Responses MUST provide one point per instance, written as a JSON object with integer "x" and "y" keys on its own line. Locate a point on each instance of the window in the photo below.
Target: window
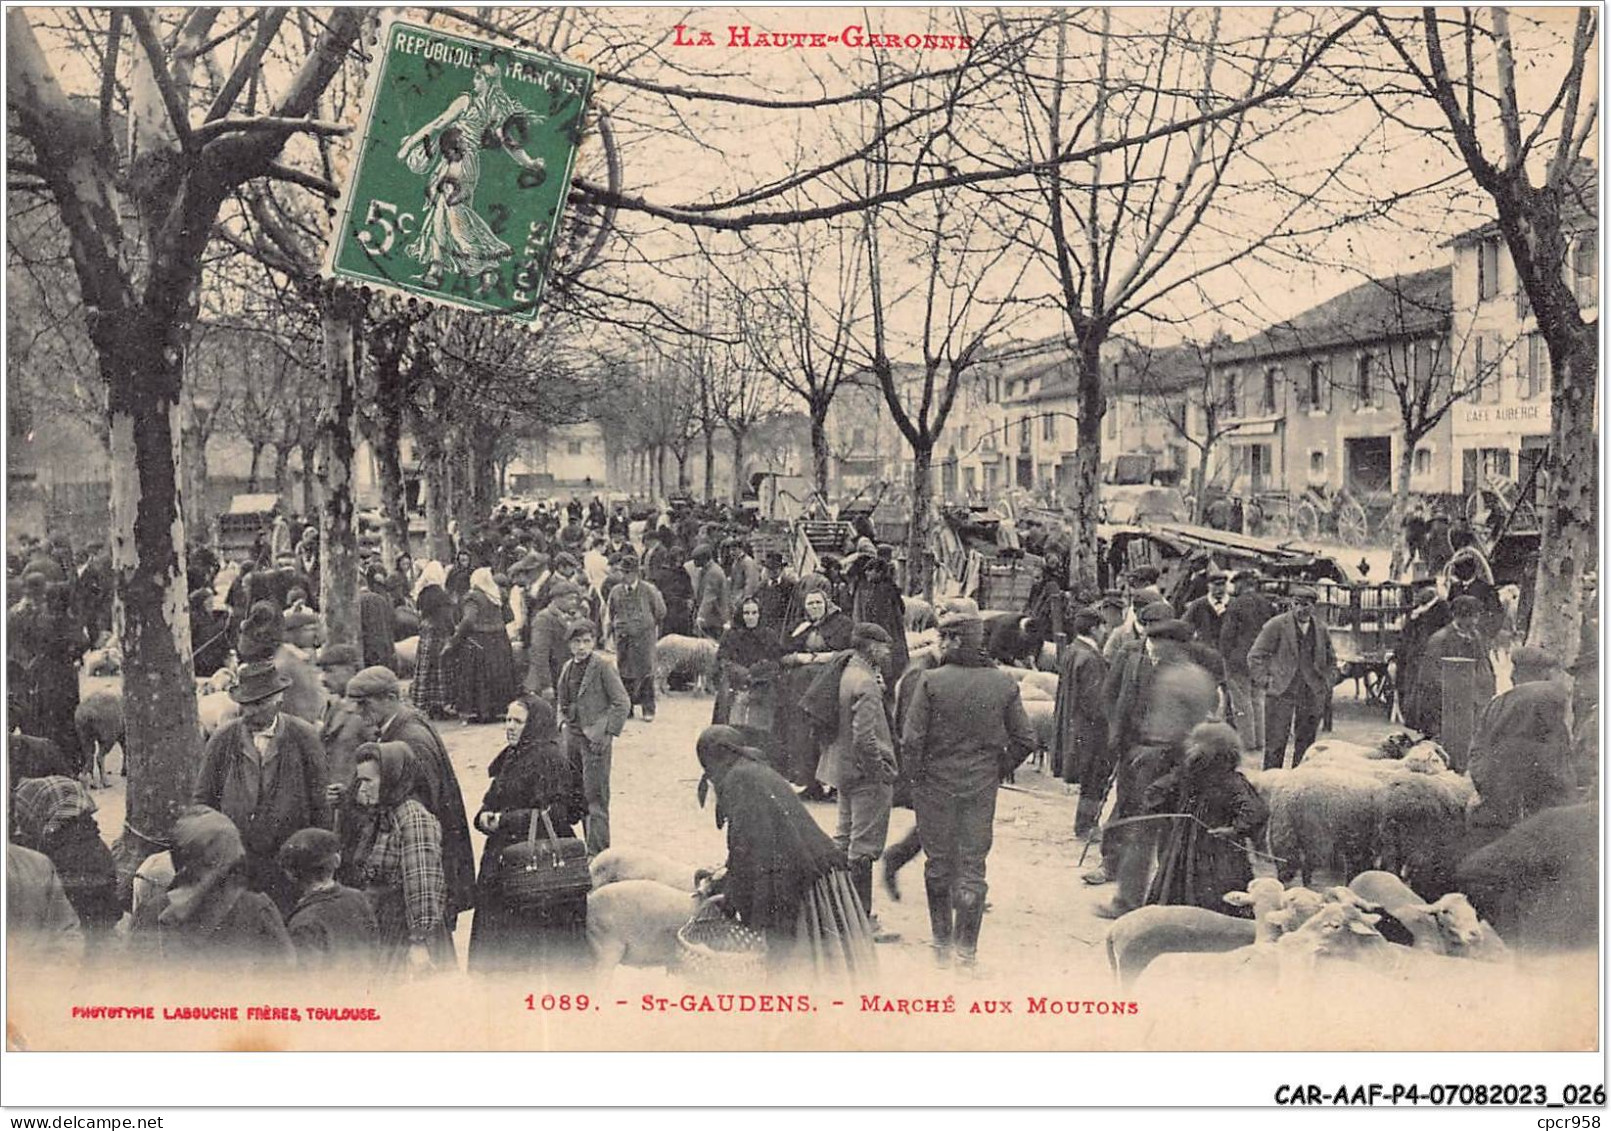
{"x": 573, "y": 447}
{"x": 1317, "y": 463}
{"x": 1259, "y": 467}
{"x": 1487, "y": 269}
{"x": 1423, "y": 461}
{"x": 1535, "y": 372}
{"x": 1048, "y": 428}
{"x": 1585, "y": 280}
{"x": 964, "y": 437}
{"x": 1231, "y": 404}
{"x": 970, "y": 481}
{"x": 1272, "y": 381}
{"x": 1023, "y": 433}
{"x": 1364, "y": 382}
{"x": 858, "y": 438}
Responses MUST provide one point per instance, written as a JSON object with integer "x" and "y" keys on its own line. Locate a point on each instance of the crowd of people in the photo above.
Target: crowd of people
{"x": 326, "y": 828}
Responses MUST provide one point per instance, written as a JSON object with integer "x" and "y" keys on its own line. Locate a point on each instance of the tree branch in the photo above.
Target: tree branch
{"x": 267, "y": 25}
{"x": 164, "y": 80}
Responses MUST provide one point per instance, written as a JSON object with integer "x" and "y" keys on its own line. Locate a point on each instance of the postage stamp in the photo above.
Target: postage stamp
{"x": 461, "y": 171}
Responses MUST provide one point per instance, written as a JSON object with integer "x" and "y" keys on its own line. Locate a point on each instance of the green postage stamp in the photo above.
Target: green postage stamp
{"x": 461, "y": 171}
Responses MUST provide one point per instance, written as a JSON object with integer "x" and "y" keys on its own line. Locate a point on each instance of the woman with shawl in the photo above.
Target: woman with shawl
{"x": 430, "y": 689}
{"x": 43, "y": 648}
{"x": 207, "y": 915}
{"x": 393, "y": 853}
{"x": 529, "y": 777}
{"x": 457, "y": 581}
{"x": 56, "y": 816}
{"x": 747, "y": 671}
{"x": 876, "y": 599}
{"x": 784, "y": 876}
{"x": 810, "y": 645}
{"x": 1201, "y": 857}
{"x": 480, "y": 653}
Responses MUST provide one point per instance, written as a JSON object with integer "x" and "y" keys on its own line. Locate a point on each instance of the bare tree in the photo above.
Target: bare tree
{"x": 1528, "y": 159}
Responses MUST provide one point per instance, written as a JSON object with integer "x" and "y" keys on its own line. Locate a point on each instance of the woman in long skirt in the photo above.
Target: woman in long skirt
{"x": 530, "y": 776}
{"x": 480, "y": 654}
{"x": 784, "y": 876}
{"x": 431, "y": 690}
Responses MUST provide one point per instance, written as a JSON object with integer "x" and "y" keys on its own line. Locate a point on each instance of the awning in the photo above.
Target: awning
{"x": 1260, "y": 428}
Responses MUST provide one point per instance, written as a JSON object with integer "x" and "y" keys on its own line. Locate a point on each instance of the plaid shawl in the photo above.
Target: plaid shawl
{"x": 42, "y": 805}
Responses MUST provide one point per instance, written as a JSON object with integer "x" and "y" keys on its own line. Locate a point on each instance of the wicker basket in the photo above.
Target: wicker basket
{"x": 714, "y": 949}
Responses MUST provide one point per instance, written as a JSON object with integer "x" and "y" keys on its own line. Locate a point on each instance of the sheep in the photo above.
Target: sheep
{"x": 408, "y": 652}
{"x": 635, "y": 923}
{"x": 1047, "y": 660}
{"x": 221, "y": 680}
{"x": 1043, "y": 718}
{"x": 98, "y": 720}
{"x": 104, "y": 661}
{"x": 919, "y": 615}
{"x": 1140, "y": 936}
{"x": 1539, "y": 883}
{"x": 1013, "y": 639}
{"x": 1448, "y": 925}
{"x": 1044, "y": 682}
{"x": 1421, "y": 820}
{"x": 213, "y": 711}
{"x": 926, "y": 640}
{"x": 616, "y": 865}
{"x": 686, "y": 656}
{"x": 1321, "y": 817}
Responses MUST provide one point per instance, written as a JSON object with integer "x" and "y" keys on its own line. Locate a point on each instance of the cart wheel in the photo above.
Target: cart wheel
{"x": 1477, "y": 508}
{"x": 1277, "y": 524}
{"x": 1352, "y": 525}
{"x": 1306, "y": 523}
{"x": 1378, "y": 686}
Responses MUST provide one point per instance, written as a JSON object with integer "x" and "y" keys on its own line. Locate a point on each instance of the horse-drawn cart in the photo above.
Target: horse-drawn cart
{"x": 1366, "y": 621}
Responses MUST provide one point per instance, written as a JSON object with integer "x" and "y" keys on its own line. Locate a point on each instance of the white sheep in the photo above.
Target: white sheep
{"x": 1321, "y": 818}
{"x": 214, "y": 710}
{"x": 1044, "y": 683}
{"x": 104, "y": 661}
{"x": 1448, "y": 925}
{"x": 1421, "y": 822}
{"x": 1147, "y": 933}
{"x": 684, "y": 655}
{"x": 635, "y": 923}
{"x": 919, "y": 615}
{"x": 926, "y": 640}
{"x": 408, "y": 652}
{"x": 615, "y": 865}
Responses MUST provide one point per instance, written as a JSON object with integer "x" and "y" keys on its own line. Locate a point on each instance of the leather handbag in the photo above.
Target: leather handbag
{"x": 535, "y": 874}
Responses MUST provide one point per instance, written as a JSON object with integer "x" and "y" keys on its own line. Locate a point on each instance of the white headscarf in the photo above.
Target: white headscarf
{"x": 481, "y": 581}
{"x": 433, "y": 573}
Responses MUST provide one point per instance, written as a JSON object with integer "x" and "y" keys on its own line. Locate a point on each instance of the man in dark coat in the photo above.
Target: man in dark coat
{"x": 375, "y": 624}
{"x": 547, "y": 653}
{"x": 1429, "y": 614}
{"x": 1206, "y": 614}
{"x": 341, "y": 728}
{"x": 266, "y": 772}
{"x": 1294, "y": 663}
{"x": 1462, "y": 639}
{"x": 1245, "y": 616}
{"x": 636, "y": 610}
{"x": 375, "y": 692}
{"x": 1080, "y": 753}
{"x": 965, "y": 731}
{"x": 775, "y": 592}
{"x": 1521, "y": 755}
{"x": 1466, "y": 580}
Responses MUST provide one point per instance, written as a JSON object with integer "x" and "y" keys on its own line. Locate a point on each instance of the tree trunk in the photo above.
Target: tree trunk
{"x": 1199, "y": 487}
{"x": 819, "y": 448}
{"x": 282, "y": 467}
{"x": 338, "y": 529}
{"x": 162, "y": 743}
{"x": 194, "y": 479}
{"x": 682, "y": 469}
{"x": 388, "y": 449}
{"x": 740, "y": 485}
{"x": 433, "y": 460}
{"x": 659, "y": 469}
{"x": 710, "y": 465}
{"x": 251, "y": 474}
{"x": 1569, "y": 546}
{"x": 310, "y": 494}
{"x": 1085, "y": 501}
{"x": 919, "y": 567}
{"x": 1401, "y": 505}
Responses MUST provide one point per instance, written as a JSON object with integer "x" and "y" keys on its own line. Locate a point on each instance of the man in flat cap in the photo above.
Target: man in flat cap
{"x": 592, "y": 705}
{"x": 341, "y": 728}
{"x": 550, "y": 630}
{"x": 376, "y": 695}
{"x": 1246, "y": 614}
{"x": 636, "y": 612}
{"x": 266, "y": 772}
{"x": 859, "y": 760}
{"x": 1521, "y": 755}
{"x": 1461, "y": 639}
{"x": 1294, "y": 663}
{"x": 1129, "y": 631}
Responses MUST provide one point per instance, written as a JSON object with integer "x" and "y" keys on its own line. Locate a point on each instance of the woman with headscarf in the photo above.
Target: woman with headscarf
{"x": 43, "y": 647}
{"x": 747, "y": 672}
{"x": 807, "y": 648}
{"x": 876, "y": 599}
{"x": 784, "y": 876}
{"x": 530, "y": 776}
{"x": 431, "y": 689}
{"x": 457, "y": 582}
{"x": 209, "y": 916}
{"x": 56, "y": 816}
{"x": 480, "y": 653}
{"x": 392, "y": 852}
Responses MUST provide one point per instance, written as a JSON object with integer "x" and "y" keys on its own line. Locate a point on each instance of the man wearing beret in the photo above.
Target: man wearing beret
{"x": 341, "y": 728}
{"x": 377, "y": 696}
{"x": 965, "y": 730}
{"x": 859, "y": 760}
{"x": 266, "y": 772}
{"x": 550, "y": 629}
{"x": 592, "y": 706}
{"x": 1462, "y": 639}
{"x": 1294, "y": 663}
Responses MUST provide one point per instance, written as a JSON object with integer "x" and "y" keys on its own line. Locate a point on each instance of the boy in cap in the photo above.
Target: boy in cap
{"x": 332, "y": 926}
{"x": 593, "y": 707}
{"x": 1294, "y": 663}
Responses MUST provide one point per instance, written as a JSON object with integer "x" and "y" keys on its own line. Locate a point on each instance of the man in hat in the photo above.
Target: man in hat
{"x": 709, "y": 585}
{"x": 1129, "y": 630}
{"x": 775, "y": 591}
{"x": 376, "y": 695}
{"x": 550, "y": 629}
{"x": 1521, "y": 755}
{"x": 522, "y": 572}
{"x": 1156, "y": 693}
{"x": 1246, "y": 614}
{"x": 1295, "y": 664}
{"x": 965, "y": 731}
{"x": 1206, "y": 614}
{"x": 266, "y": 772}
{"x": 1462, "y": 639}
{"x": 636, "y": 611}
{"x": 592, "y": 705}
{"x": 1080, "y": 727}
{"x": 1113, "y": 608}
{"x": 859, "y": 761}
{"x": 341, "y": 728}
